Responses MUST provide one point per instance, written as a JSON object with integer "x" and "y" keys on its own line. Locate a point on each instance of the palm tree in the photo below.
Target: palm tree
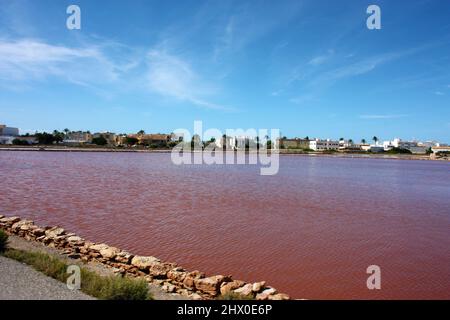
{"x": 341, "y": 139}
{"x": 363, "y": 141}
{"x": 375, "y": 139}
{"x": 141, "y": 132}
{"x": 350, "y": 141}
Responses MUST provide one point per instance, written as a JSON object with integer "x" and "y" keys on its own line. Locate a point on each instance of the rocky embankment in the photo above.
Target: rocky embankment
{"x": 171, "y": 278}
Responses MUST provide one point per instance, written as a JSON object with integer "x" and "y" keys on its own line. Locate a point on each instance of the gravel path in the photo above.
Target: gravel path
{"x": 21, "y": 282}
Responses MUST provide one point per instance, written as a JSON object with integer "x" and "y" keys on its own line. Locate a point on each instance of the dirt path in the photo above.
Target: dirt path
{"x": 21, "y": 282}
{"x": 22, "y": 244}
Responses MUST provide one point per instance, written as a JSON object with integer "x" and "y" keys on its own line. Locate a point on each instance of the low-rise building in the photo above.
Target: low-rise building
{"x": 295, "y": 143}
{"x": 323, "y": 145}
{"x": 153, "y": 139}
{"x": 413, "y": 146}
{"x": 228, "y": 141}
{"x": 8, "y": 131}
{"x": 418, "y": 150}
{"x": 438, "y": 149}
{"x": 371, "y": 147}
{"x": 349, "y": 145}
{"x": 176, "y": 137}
{"x": 110, "y": 137}
{"x": 399, "y": 143}
{"x": 6, "y": 139}
{"x": 244, "y": 142}
{"x": 428, "y": 144}
{"x": 77, "y": 137}
{"x": 7, "y": 134}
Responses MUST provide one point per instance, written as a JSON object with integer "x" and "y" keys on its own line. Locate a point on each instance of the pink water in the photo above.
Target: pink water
{"x": 310, "y": 231}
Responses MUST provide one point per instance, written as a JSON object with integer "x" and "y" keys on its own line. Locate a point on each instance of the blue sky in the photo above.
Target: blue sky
{"x": 305, "y": 67}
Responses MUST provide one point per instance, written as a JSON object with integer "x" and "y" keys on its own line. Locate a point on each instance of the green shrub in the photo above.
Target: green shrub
{"x": 113, "y": 287}
{"x": 42, "y": 262}
{"x": 100, "y": 141}
{"x": 3, "y": 240}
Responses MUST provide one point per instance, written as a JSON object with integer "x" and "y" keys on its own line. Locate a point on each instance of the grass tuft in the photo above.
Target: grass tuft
{"x": 106, "y": 288}
{"x": 3, "y": 240}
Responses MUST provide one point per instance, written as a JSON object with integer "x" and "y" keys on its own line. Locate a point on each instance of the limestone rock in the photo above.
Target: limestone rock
{"x": 168, "y": 287}
{"x": 54, "y": 232}
{"x": 246, "y": 290}
{"x": 9, "y": 221}
{"x": 109, "y": 253}
{"x": 265, "y": 294}
{"x": 176, "y": 275}
{"x": 210, "y": 285}
{"x": 160, "y": 270}
{"x": 74, "y": 239}
{"x": 98, "y": 247}
{"x": 38, "y": 232}
{"x": 124, "y": 257}
{"x": 258, "y": 286}
{"x": 144, "y": 263}
{"x": 227, "y": 287}
{"x": 23, "y": 225}
{"x": 279, "y": 296}
{"x": 190, "y": 278}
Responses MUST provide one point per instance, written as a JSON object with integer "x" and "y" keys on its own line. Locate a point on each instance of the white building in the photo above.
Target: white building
{"x": 428, "y": 144}
{"x": 399, "y": 143}
{"x": 6, "y": 139}
{"x": 8, "y": 131}
{"x": 228, "y": 141}
{"x": 438, "y": 149}
{"x": 77, "y": 137}
{"x": 412, "y": 146}
{"x": 7, "y": 134}
{"x": 242, "y": 142}
{"x": 176, "y": 137}
{"x": 349, "y": 145}
{"x": 323, "y": 145}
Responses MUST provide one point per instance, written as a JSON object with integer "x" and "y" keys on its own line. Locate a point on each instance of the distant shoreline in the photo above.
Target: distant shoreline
{"x": 284, "y": 152}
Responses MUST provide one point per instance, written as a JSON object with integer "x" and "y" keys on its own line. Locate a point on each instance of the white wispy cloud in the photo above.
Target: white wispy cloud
{"x": 382, "y": 116}
{"x": 225, "y": 40}
{"x": 169, "y": 75}
{"x": 98, "y": 68}
{"x": 439, "y": 93}
{"x": 28, "y": 59}
{"x": 319, "y": 80}
{"x": 357, "y": 68}
{"x": 321, "y": 59}
{"x": 248, "y": 22}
